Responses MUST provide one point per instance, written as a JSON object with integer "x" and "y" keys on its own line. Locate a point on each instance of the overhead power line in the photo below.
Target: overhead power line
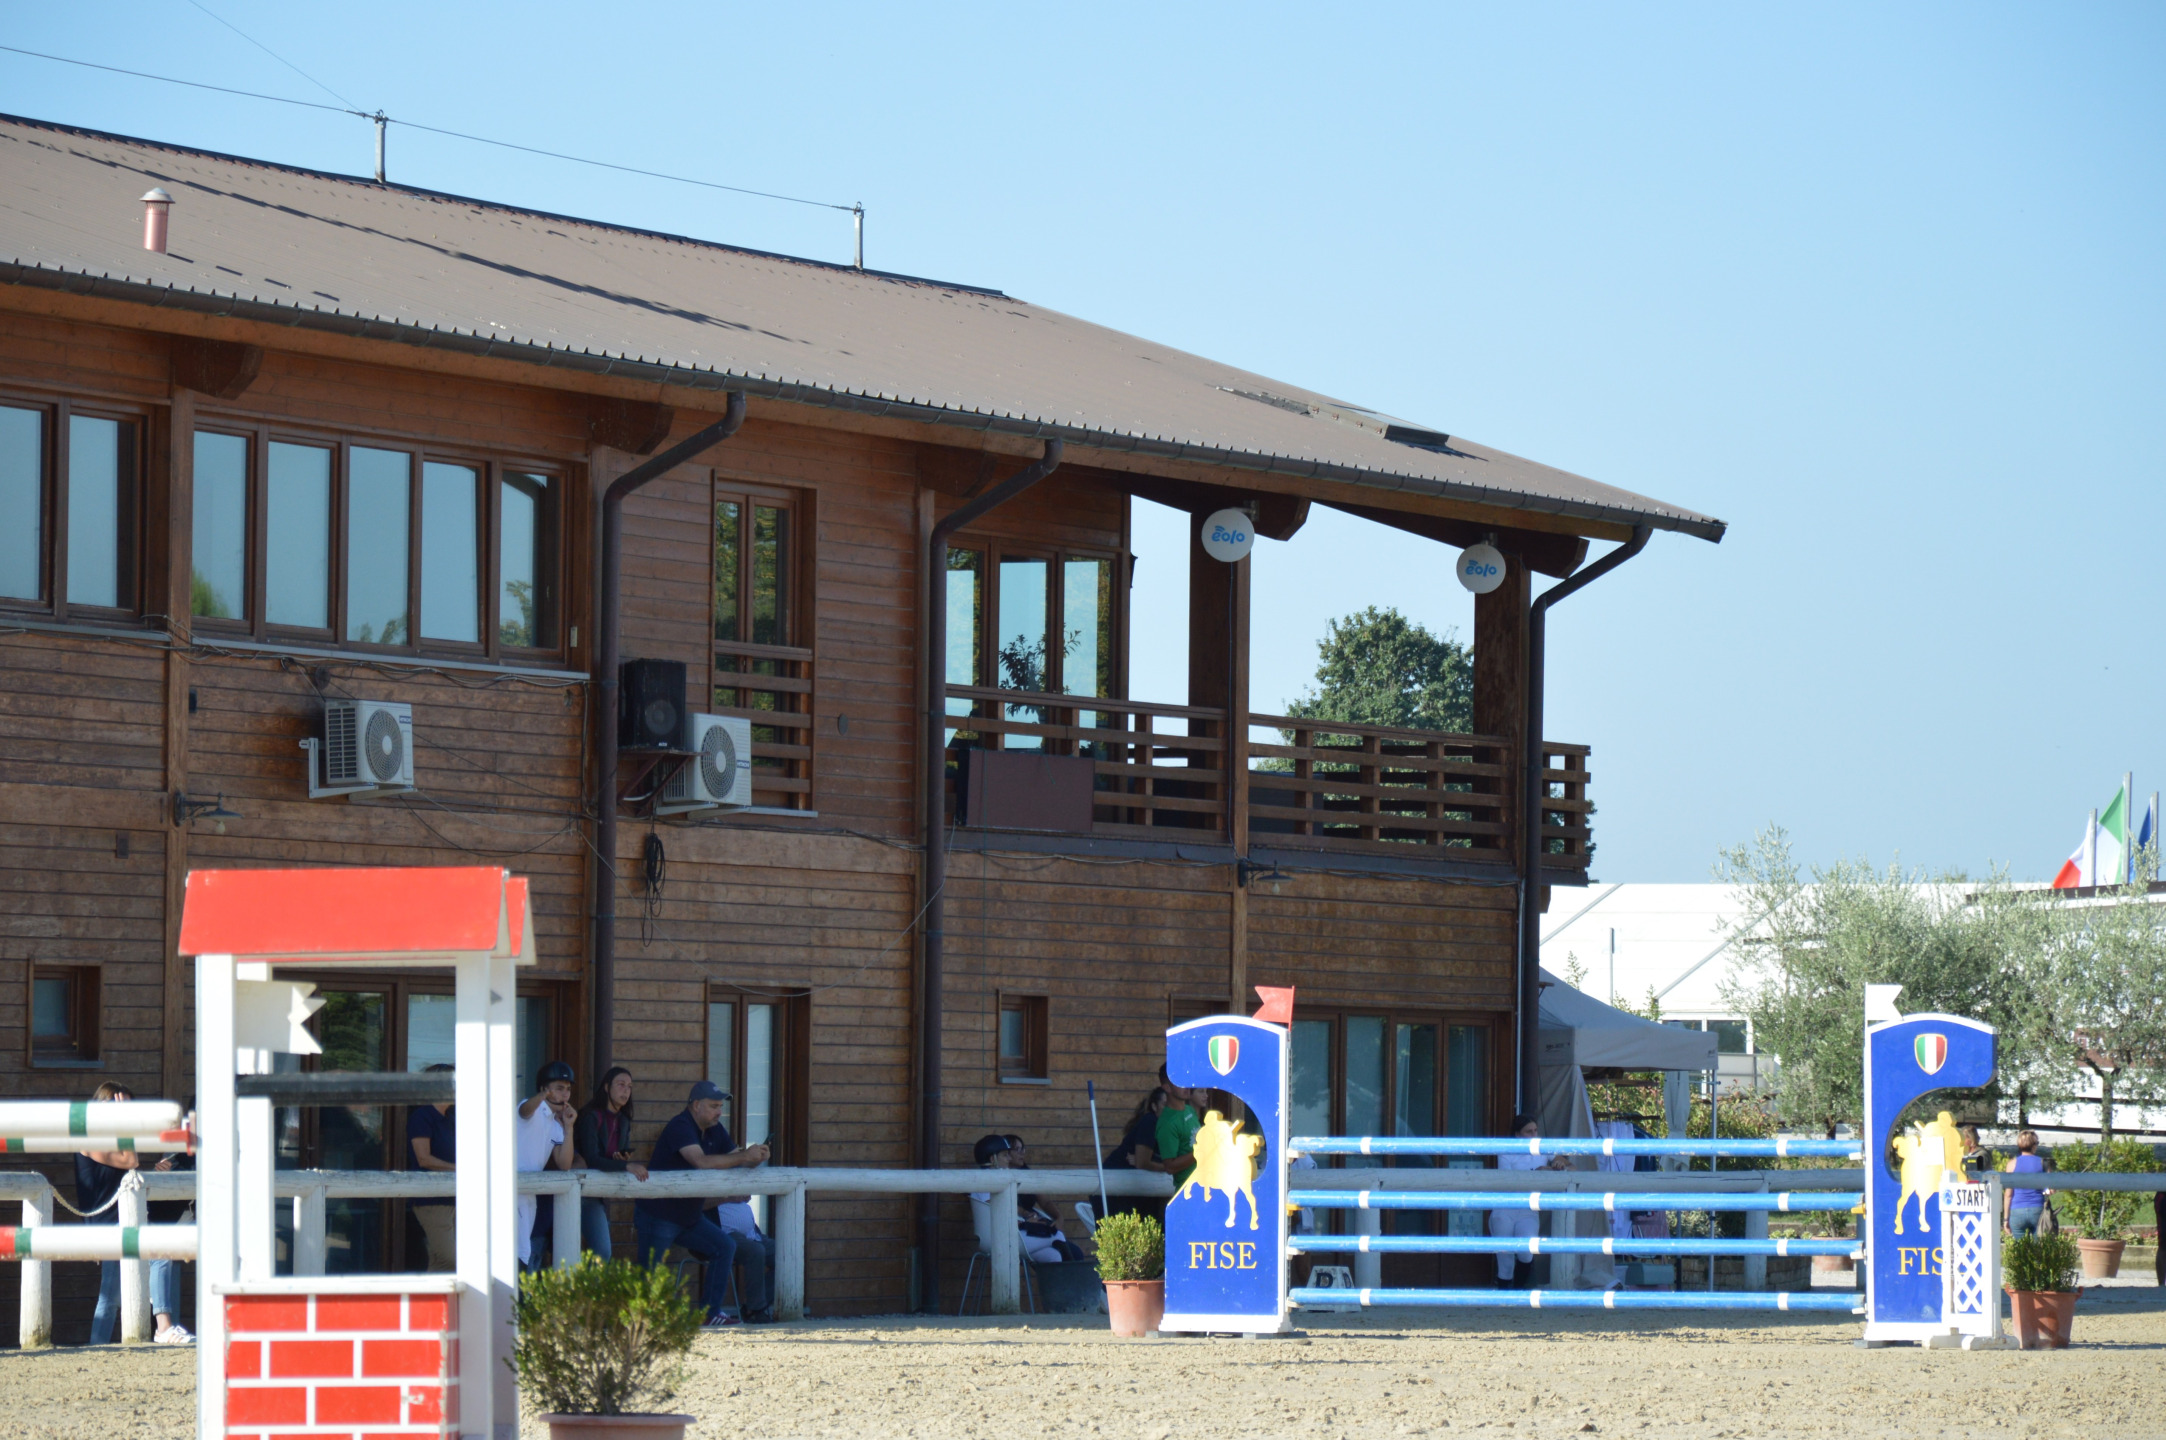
{"x": 272, "y": 53}
{"x": 378, "y": 117}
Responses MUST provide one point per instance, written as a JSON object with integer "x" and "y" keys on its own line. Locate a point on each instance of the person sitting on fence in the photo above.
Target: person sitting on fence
{"x": 679, "y": 1219}
{"x": 603, "y": 1137}
{"x": 1041, "y": 1237}
{"x": 542, "y": 1141}
{"x": 755, "y": 1248}
{"x": 432, "y": 1144}
{"x": 97, "y": 1184}
{"x": 2022, "y": 1205}
{"x": 1520, "y": 1222}
{"x": 1138, "y": 1150}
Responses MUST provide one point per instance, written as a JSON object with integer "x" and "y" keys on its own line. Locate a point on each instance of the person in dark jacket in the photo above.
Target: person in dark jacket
{"x": 97, "y": 1182}
{"x": 1138, "y": 1150}
{"x": 603, "y": 1137}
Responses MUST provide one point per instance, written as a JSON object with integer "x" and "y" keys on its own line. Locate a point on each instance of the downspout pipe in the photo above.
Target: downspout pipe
{"x": 605, "y": 717}
{"x": 936, "y": 846}
{"x": 1530, "y": 818}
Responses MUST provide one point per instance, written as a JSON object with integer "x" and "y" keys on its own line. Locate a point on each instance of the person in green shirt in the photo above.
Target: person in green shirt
{"x": 1177, "y": 1127}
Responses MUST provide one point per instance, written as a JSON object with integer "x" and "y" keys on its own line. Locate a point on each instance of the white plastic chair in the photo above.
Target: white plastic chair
{"x": 981, "y": 1224}
{"x": 1088, "y": 1216}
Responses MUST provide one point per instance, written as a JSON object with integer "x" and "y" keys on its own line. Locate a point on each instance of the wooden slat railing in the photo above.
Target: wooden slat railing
{"x": 1379, "y": 789}
{"x": 772, "y": 686}
{"x": 1370, "y": 789}
{"x": 1160, "y": 767}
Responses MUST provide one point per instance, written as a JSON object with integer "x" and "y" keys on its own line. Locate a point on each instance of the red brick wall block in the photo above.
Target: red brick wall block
{"x": 386, "y": 1365}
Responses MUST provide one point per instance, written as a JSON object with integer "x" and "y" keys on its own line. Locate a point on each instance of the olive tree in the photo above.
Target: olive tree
{"x": 2098, "y": 1008}
{"x": 1808, "y": 945}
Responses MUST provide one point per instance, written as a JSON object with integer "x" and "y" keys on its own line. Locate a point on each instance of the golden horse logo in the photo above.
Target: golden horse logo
{"x": 1933, "y": 1152}
{"x": 1225, "y": 1160}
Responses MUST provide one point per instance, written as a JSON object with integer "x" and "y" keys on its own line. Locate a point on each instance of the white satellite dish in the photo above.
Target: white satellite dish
{"x": 1228, "y": 535}
{"x": 1481, "y": 568}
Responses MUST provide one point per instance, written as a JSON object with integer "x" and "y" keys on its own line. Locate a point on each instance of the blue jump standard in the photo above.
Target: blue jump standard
{"x": 1775, "y": 1149}
{"x": 1778, "y": 1200}
{"x": 1835, "y": 1302}
{"x": 1541, "y": 1245}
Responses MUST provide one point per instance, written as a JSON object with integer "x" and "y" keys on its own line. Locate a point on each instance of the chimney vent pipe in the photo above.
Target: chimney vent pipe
{"x": 155, "y": 205}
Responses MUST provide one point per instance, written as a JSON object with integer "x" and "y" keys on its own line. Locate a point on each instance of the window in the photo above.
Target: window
{"x": 1045, "y": 624}
{"x": 70, "y": 500}
{"x": 1024, "y": 1028}
{"x": 762, "y": 671}
{"x": 64, "y": 1015}
{"x": 374, "y": 545}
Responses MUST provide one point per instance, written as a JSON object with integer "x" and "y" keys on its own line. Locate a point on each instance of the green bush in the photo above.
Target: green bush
{"x": 2040, "y": 1262}
{"x": 602, "y": 1335}
{"x": 1131, "y": 1247}
{"x": 2103, "y": 1214}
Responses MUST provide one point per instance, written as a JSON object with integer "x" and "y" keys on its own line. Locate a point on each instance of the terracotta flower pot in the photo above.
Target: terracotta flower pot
{"x": 2043, "y": 1317}
{"x": 1831, "y": 1264}
{"x": 2101, "y": 1258}
{"x": 617, "y": 1427}
{"x": 1135, "y": 1306}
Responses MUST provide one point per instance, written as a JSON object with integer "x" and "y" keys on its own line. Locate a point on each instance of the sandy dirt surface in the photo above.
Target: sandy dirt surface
{"x": 1560, "y": 1375}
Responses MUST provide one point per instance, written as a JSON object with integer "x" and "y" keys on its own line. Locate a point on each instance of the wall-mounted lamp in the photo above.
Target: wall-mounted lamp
{"x": 1245, "y": 870}
{"x": 186, "y": 808}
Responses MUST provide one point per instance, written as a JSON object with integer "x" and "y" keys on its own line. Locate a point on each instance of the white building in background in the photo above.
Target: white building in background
{"x": 1675, "y": 943}
{"x": 1630, "y": 942}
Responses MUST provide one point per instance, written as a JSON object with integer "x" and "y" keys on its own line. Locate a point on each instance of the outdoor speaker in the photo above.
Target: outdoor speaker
{"x": 650, "y": 704}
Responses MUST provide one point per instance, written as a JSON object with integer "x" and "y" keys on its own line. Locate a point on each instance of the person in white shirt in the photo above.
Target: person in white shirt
{"x": 542, "y": 1140}
{"x": 1520, "y": 1222}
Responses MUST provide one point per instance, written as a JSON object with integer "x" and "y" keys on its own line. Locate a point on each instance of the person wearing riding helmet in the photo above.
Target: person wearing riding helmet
{"x": 541, "y": 1140}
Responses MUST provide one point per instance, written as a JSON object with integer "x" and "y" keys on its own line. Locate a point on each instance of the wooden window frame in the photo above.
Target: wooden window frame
{"x": 1056, "y": 558}
{"x": 490, "y": 469}
{"x": 54, "y": 466}
{"x": 783, "y": 764}
{"x": 1034, "y": 1066}
{"x": 791, "y": 1096}
{"x": 1500, "y": 1039}
{"x": 86, "y": 986}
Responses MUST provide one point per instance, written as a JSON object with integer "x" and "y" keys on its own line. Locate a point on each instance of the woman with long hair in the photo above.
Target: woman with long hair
{"x": 97, "y": 1181}
{"x": 1138, "y": 1150}
{"x": 603, "y": 1137}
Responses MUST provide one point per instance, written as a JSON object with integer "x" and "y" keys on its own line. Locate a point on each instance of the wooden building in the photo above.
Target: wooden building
{"x": 348, "y": 442}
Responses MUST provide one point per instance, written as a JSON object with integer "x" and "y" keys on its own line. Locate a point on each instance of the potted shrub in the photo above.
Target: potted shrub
{"x": 2039, "y": 1272}
{"x": 599, "y": 1340}
{"x": 1132, "y": 1263}
{"x": 2101, "y": 1219}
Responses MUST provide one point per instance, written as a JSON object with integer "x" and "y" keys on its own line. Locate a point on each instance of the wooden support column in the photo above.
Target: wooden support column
{"x": 1218, "y": 635}
{"x": 1500, "y": 670}
{"x": 173, "y": 511}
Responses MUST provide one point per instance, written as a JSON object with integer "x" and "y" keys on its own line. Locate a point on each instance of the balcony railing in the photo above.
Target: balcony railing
{"x": 1161, "y": 771}
{"x": 770, "y": 685}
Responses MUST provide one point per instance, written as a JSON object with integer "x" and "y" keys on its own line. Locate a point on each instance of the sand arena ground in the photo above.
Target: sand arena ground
{"x": 1554, "y": 1375}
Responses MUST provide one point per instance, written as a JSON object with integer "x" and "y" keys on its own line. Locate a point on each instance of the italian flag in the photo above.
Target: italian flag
{"x": 2102, "y": 856}
{"x": 2075, "y": 871}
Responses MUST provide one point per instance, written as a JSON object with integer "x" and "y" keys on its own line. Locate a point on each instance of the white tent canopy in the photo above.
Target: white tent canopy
{"x": 1579, "y": 1030}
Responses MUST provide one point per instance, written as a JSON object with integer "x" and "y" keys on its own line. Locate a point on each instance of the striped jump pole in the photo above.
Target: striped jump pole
{"x": 166, "y": 1142}
{"x": 1832, "y": 1302}
{"x": 1559, "y": 1245}
{"x": 97, "y": 1242}
{"x": 1783, "y": 1201}
{"x": 1778, "y": 1148}
{"x": 84, "y": 1119}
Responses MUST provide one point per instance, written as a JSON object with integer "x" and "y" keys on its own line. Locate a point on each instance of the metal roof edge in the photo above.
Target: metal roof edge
{"x": 16, "y": 272}
{"x": 392, "y": 186}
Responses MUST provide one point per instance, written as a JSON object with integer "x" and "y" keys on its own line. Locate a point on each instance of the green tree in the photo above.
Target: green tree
{"x": 1808, "y": 947}
{"x": 2097, "y": 1010}
{"x": 1377, "y": 667}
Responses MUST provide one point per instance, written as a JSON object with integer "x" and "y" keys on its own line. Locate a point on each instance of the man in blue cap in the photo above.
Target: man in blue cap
{"x": 680, "y": 1220}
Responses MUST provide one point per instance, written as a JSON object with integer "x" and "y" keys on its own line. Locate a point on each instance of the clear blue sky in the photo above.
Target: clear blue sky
{"x": 1880, "y": 286}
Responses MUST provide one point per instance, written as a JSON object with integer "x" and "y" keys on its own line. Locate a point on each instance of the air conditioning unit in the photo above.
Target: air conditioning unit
{"x": 719, "y": 774}
{"x": 366, "y": 750}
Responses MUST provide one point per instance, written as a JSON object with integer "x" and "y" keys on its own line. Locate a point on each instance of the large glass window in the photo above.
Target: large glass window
{"x": 1466, "y": 1082}
{"x": 22, "y": 502}
{"x": 762, "y": 667}
{"x": 297, "y": 542}
{"x": 379, "y": 497}
{"x": 101, "y": 512}
{"x": 375, "y": 545}
{"x": 1365, "y": 1077}
{"x": 450, "y": 552}
{"x": 218, "y": 545}
{"x": 1414, "y": 1080}
{"x": 1040, "y": 623}
{"x": 526, "y": 606}
{"x": 1086, "y": 626}
{"x": 1310, "y": 1081}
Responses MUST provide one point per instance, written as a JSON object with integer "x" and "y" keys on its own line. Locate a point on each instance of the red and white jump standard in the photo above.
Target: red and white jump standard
{"x": 380, "y": 1355}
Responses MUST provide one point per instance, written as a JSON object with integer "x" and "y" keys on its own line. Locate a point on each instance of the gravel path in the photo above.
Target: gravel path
{"x": 1562, "y": 1375}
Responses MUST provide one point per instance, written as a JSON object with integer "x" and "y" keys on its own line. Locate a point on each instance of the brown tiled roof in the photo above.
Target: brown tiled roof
{"x": 299, "y": 247}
